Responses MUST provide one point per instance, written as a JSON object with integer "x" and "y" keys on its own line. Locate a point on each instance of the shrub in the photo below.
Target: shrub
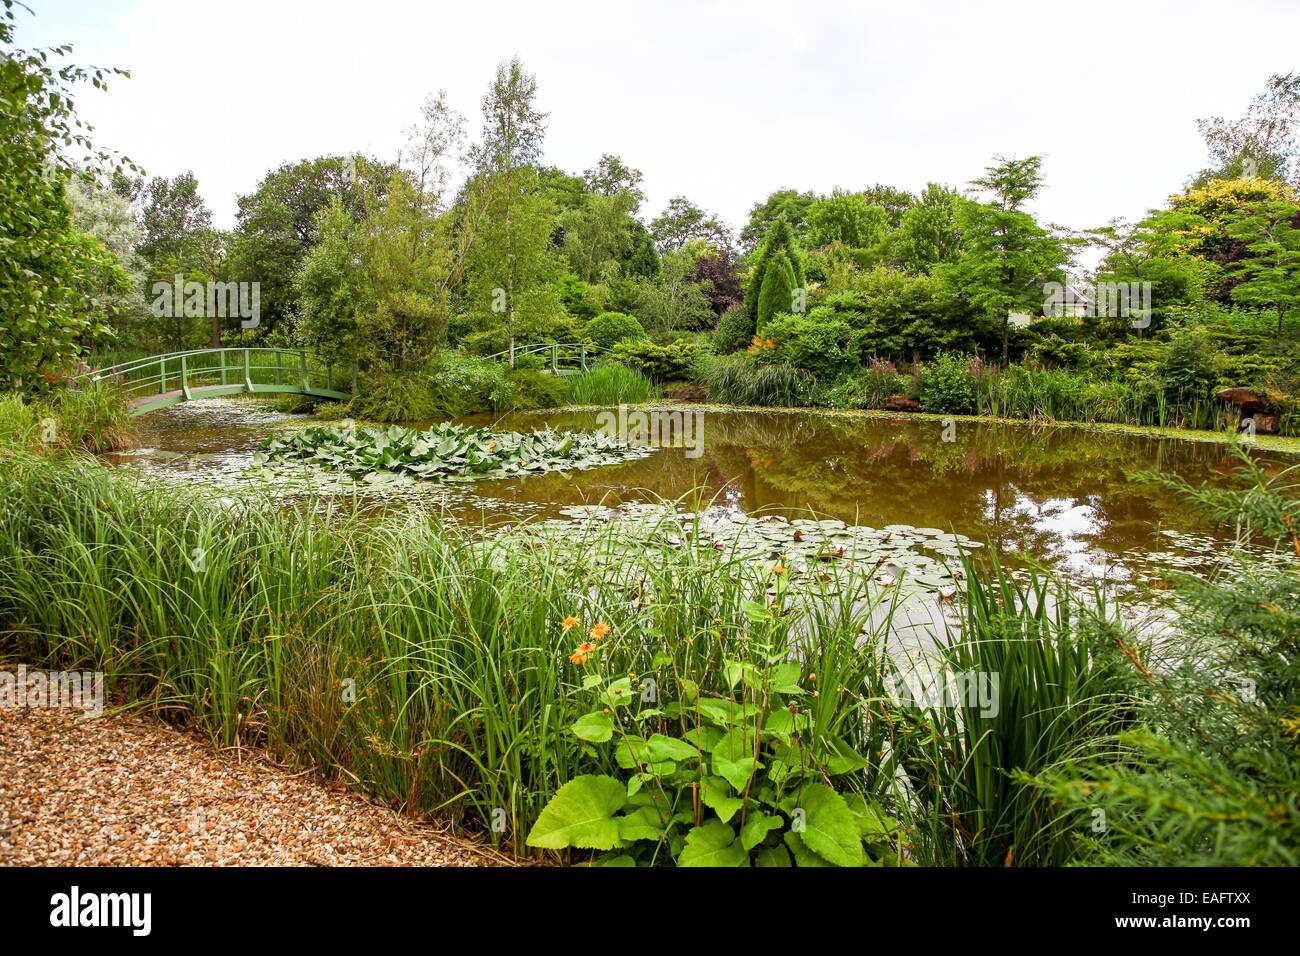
{"x": 947, "y": 385}
{"x": 394, "y": 397}
{"x": 610, "y": 328}
{"x": 464, "y": 384}
{"x": 734, "y": 332}
{"x": 93, "y": 421}
{"x": 660, "y": 363}
{"x": 533, "y": 389}
{"x": 865, "y": 388}
{"x": 816, "y": 341}
{"x": 1208, "y": 773}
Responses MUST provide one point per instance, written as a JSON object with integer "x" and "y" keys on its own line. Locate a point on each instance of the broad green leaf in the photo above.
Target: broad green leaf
{"x": 713, "y": 844}
{"x": 773, "y": 856}
{"x": 732, "y": 760}
{"x": 581, "y": 814}
{"x": 660, "y": 747}
{"x": 715, "y": 793}
{"x": 597, "y": 727}
{"x": 829, "y": 828}
{"x": 640, "y": 824}
{"x": 756, "y": 828}
{"x": 802, "y": 855}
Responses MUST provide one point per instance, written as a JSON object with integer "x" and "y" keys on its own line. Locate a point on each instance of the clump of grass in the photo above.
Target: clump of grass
{"x": 738, "y": 380}
{"x": 1056, "y": 698}
{"x": 92, "y": 421}
{"x": 610, "y": 385}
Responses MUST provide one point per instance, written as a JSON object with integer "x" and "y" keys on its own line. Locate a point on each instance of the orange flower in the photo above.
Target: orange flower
{"x": 569, "y": 622}
{"x": 599, "y": 631}
{"x": 586, "y": 647}
{"x": 578, "y": 658}
{"x": 779, "y": 569}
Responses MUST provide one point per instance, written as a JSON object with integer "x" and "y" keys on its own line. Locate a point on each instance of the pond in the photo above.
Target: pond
{"x": 1061, "y": 496}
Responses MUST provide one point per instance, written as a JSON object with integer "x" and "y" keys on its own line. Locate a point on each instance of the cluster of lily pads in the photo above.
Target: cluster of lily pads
{"x": 446, "y": 451}
{"x": 916, "y": 562}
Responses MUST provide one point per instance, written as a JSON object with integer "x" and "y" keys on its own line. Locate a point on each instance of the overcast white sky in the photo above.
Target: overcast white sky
{"x": 721, "y": 101}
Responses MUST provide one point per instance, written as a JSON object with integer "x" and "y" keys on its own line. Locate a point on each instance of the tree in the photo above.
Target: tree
{"x": 672, "y": 300}
{"x": 278, "y": 222}
{"x": 1271, "y": 277}
{"x": 611, "y": 176}
{"x": 1265, "y": 142}
{"x": 173, "y": 213}
{"x": 51, "y": 274}
{"x": 1193, "y": 232}
{"x": 789, "y": 204}
{"x": 1009, "y": 255}
{"x": 105, "y": 214}
{"x": 716, "y": 275}
{"x": 681, "y": 221}
{"x": 848, "y": 218}
{"x": 513, "y": 254}
{"x": 780, "y": 239}
{"x": 776, "y": 291}
{"x": 928, "y": 232}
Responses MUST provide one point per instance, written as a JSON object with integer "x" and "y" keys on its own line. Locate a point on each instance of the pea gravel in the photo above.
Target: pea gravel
{"x": 125, "y": 790}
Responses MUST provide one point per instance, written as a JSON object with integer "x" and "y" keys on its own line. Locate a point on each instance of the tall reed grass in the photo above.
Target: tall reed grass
{"x": 420, "y": 666}
{"x": 610, "y": 385}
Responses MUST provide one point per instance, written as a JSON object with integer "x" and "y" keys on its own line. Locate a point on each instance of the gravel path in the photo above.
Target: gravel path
{"x": 130, "y": 791}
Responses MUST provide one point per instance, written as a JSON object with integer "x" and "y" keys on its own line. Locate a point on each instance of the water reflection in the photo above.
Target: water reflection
{"x": 1060, "y": 495}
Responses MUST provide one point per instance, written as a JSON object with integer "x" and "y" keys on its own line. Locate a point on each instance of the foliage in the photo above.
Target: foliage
{"x": 443, "y": 451}
{"x": 534, "y": 388}
{"x": 728, "y": 779}
{"x": 64, "y": 420}
{"x": 947, "y": 385}
{"x": 610, "y": 385}
{"x": 659, "y": 363}
{"x": 51, "y": 275}
{"x": 1008, "y": 254}
{"x": 826, "y": 346}
{"x": 781, "y": 276}
{"x": 734, "y": 331}
{"x": 1057, "y": 699}
{"x": 739, "y": 380}
{"x": 1210, "y": 772}
{"x": 610, "y": 328}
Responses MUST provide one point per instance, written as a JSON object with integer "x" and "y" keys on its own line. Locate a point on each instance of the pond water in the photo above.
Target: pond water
{"x": 1059, "y": 495}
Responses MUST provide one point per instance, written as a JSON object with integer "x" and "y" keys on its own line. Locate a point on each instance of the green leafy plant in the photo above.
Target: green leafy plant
{"x": 610, "y": 328}
{"x": 443, "y": 451}
{"x": 736, "y": 777}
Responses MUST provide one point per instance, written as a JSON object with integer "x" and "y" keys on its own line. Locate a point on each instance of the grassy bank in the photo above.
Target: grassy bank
{"x": 697, "y": 708}
{"x": 453, "y": 676}
{"x": 64, "y": 420}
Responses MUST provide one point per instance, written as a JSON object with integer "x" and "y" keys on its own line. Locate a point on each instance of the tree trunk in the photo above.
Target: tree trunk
{"x": 510, "y": 316}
